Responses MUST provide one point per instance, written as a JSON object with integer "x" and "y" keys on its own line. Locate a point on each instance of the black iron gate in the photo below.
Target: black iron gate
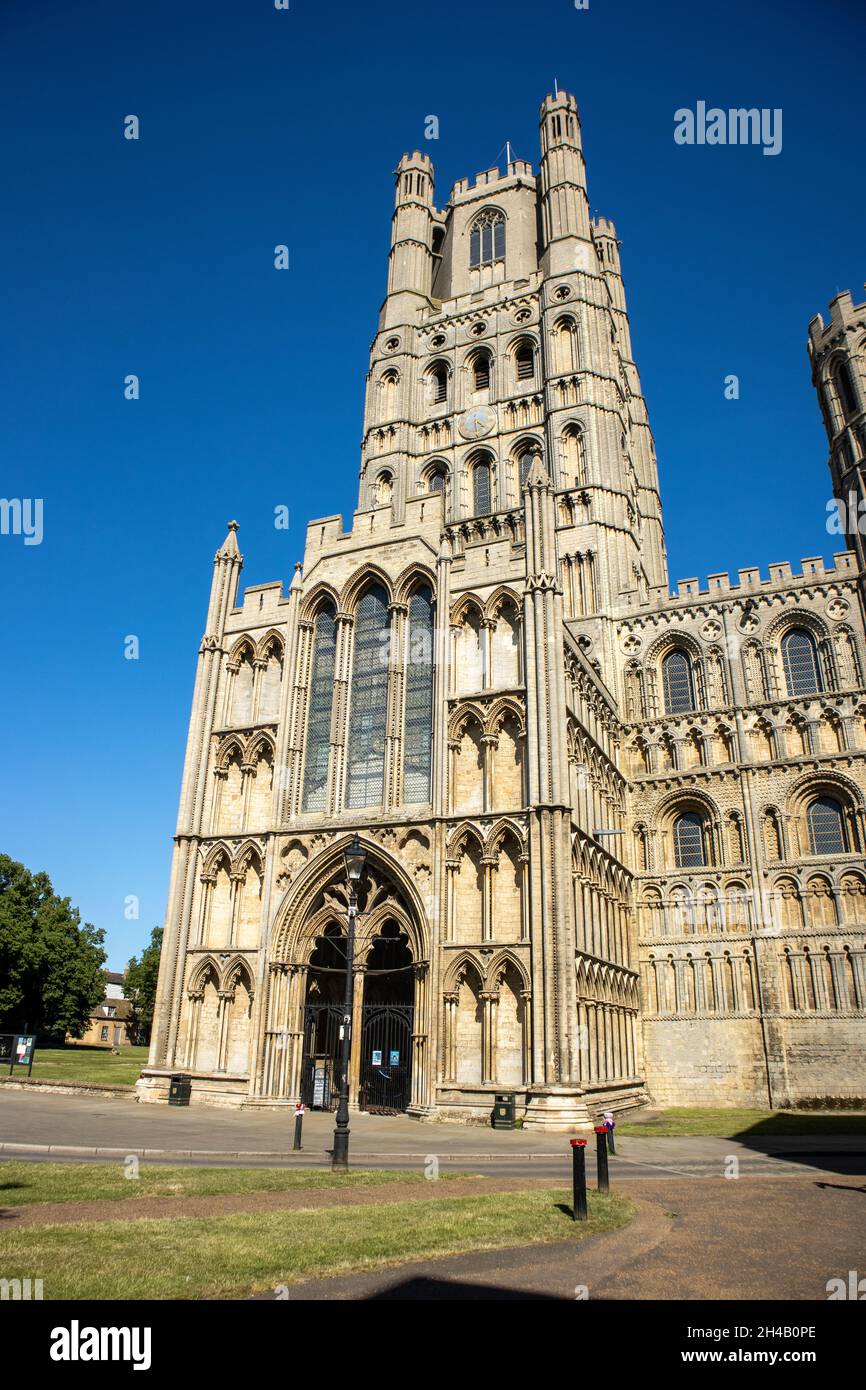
{"x": 386, "y": 1057}
{"x": 320, "y": 1079}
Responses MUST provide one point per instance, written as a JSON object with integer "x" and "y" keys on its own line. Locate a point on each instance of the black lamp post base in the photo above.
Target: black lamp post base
{"x": 340, "y": 1151}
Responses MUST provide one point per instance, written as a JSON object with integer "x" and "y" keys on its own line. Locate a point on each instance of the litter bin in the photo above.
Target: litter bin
{"x": 178, "y": 1091}
{"x": 503, "y": 1111}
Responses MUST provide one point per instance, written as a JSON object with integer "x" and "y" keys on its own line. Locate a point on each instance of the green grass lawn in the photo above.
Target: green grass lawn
{"x": 94, "y": 1064}
{"x": 234, "y": 1256}
{"x": 734, "y": 1124}
{"x": 22, "y": 1184}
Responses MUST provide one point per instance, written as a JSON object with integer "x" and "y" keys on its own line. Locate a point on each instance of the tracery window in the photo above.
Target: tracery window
{"x": 487, "y": 239}
{"x": 826, "y": 827}
{"x": 418, "y": 716}
{"x": 800, "y": 659}
{"x": 319, "y": 716}
{"x": 677, "y": 682}
{"x": 369, "y": 701}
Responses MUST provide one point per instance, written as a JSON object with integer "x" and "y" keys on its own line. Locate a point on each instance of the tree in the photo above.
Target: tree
{"x": 51, "y": 966}
{"x": 139, "y": 987}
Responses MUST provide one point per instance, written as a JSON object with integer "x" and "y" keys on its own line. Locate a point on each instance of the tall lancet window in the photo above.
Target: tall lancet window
{"x": 319, "y": 716}
{"x": 369, "y": 700}
{"x": 481, "y": 488}
{"x": 418, "y": 719}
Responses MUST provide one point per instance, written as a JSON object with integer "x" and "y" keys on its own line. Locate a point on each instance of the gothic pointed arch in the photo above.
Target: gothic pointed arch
{"x": 324, "y": 874}
{"x": 360, "y": 583}
{"x": 414, "y": 576}
{"x": 320, "y": 595}
{"x": 271, "y": 641}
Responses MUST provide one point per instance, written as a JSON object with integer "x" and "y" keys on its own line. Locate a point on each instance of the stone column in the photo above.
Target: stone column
{"x": 490, "y": 999}
{"x": 489, "y": 867}
{"x": 449, "y": 1050}
{"x": 340, "y": 710}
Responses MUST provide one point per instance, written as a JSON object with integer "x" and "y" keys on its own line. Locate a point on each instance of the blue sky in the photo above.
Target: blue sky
{"x": 155, "y": 257}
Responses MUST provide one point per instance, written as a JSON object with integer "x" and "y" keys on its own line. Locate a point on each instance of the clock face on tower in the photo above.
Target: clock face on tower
{"x": 477, "y": 422}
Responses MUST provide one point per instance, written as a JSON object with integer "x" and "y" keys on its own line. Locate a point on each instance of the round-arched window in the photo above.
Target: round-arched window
{"x": 690, "y": 848}
{"x": 800, "y": 660}
{"x": 677, "y": 682}
{"x": 826, "y": 826}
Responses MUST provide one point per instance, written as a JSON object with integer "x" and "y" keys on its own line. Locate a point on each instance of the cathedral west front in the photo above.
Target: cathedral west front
{"x": 615, "y": 836}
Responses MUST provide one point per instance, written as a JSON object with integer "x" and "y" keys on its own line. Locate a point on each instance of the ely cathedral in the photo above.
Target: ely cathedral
{"x": 614, "y": 837}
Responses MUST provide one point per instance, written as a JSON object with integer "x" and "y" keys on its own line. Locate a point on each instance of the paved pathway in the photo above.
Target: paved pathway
{"x": 34, "y": 1125}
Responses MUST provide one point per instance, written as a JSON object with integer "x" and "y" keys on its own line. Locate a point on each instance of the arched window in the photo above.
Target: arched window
{"x": 439, "y": 382}
{"x": 524, "y": 362}
{"x": 826, "y": 827}
{"x": 690, "y": 849}
{"x": 565, "y": 350}
{"x": 845, "y": 389}
{"x": 319, "y": 713}
{"x": 418, "y": 717}
{"x": 436, "y": 480}
{"x": 481, "y": 372}
{"x": 573, "y": 456}
{"x": 487, "y": 238}
{"x": 800, "y": 659}
{"x": 384, "y": 489}
{"x": 481, "y": 488}
{"x": 369, "y": 700}
{"x": 525, "y": 465}
{"x": 677, "y": 682}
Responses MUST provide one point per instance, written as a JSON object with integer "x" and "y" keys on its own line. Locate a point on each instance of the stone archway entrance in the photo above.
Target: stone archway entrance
{"x": 389, "y": 1065}
{"x": 380, "y": 1075}
{"x": 387, "y": 1014}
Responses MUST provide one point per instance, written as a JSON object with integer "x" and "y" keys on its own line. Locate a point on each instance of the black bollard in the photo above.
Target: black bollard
{"x": 578, "y": 1179}
{"x": 610, "y": 1125}
{"x": 601, "y": 1158}
{"x": 299, "y": 1120}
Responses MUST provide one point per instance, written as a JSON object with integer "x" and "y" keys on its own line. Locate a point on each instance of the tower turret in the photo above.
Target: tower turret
{"x": 838, "y": 355}
{"x": 410, "y": 264}
{"x": 565, "y": 230}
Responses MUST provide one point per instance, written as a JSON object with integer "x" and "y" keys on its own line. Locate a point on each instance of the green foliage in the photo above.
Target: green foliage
{"x": 139, "y": 986}
{"x": 51, "y": 965}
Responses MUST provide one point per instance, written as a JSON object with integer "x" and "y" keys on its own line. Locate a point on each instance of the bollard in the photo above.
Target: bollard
{"x": 601, "y": 1158}
{"x": 299, "y": 1120}
{"x": 578, "y": 1179}
{"x": 610, "y": 1125}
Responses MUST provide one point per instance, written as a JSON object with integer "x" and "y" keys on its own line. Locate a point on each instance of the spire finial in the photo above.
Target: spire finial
{"x": 229, "y": 548}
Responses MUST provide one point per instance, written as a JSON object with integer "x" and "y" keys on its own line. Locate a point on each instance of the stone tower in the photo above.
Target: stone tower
{"x": 614, "y": 837}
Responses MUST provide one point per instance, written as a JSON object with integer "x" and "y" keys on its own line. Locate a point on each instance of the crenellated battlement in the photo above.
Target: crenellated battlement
{"x": 751, "y": 580}
{"x": 844, "y": 314}
{"x": 516, "y": 171}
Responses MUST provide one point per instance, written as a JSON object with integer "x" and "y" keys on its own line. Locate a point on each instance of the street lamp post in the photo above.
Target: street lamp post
{"x": 354, "y": 856}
